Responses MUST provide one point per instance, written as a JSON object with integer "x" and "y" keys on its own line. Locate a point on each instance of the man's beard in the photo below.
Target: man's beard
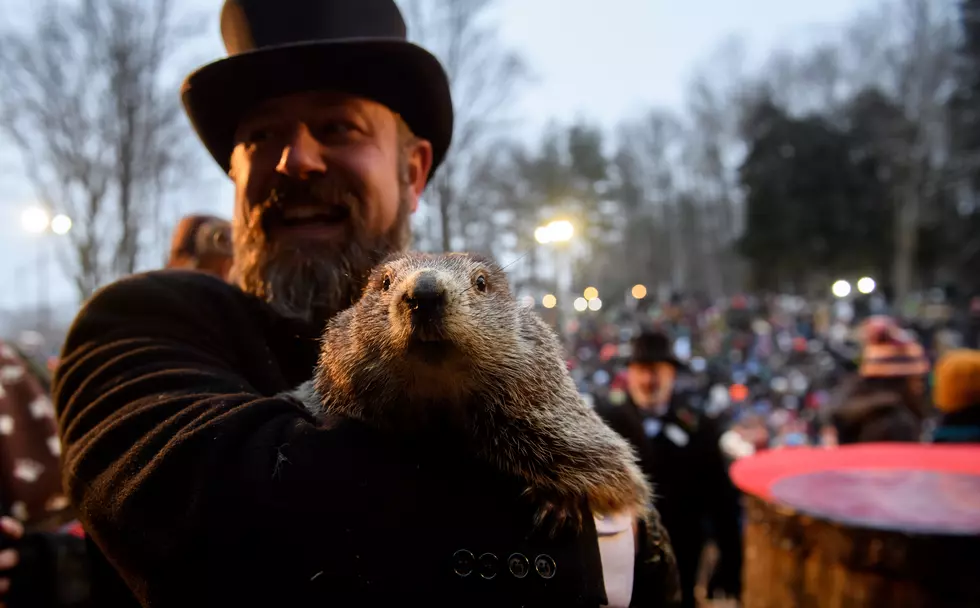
{"x": 312, "y": 280}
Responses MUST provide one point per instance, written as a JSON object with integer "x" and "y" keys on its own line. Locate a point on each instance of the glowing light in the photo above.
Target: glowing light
{"x": 841, "y": 289}
{"x": 35, "y": 220}
{"x": 591, "y": 293}
{"x": 549, "y": 301}
{"x": 639, "y": 292}
{"x": 866, "y": 285}
{"x": 595, "y": 304}
{"x": 542, "y": 235}
{"x": 558, "y": 231}
{"x": 581, "y": 304}
{"x": 562, "y": 231}
{"x": 60, "y": 224}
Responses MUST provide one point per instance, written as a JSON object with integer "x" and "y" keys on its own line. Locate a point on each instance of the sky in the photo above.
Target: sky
{"x": 603, "y": 60}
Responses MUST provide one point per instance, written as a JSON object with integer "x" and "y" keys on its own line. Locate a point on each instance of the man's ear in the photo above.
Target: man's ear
{"x": 419, "y": 166}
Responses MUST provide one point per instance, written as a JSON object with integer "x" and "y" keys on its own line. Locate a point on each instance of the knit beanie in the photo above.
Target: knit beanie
{"x": 889, "y": 351}
{"x": 957, "y": 381}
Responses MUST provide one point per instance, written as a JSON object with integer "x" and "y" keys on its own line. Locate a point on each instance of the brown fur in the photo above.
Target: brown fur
{"x": 503, "y": 382}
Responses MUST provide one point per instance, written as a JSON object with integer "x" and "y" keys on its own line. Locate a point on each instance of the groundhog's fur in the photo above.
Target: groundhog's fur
{"x": 485, "y": 366}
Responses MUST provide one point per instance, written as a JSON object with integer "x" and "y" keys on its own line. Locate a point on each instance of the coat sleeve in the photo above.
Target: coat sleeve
{"x": 167, "y": 448}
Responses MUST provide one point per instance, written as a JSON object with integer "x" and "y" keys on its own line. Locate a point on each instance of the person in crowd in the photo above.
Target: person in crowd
{"x": 34, "y": 554}
{"x": 956, "y": 394}
{"x": 886, "y": 401}
{"x": 202, "y": 242}
{"x": 680, "y": 451}
{"x": 199, "y": 480}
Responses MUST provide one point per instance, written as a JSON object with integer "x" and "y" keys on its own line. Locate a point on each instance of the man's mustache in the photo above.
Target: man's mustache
{"x": 319, "y": 191}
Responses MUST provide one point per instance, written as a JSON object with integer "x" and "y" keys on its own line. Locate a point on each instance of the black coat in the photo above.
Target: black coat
{"x": 691, "y": 487}
{"x": 203, "y": 488}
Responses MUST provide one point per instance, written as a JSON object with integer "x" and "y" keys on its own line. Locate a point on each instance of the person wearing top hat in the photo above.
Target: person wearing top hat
{"x": 194, "y": 479}
{"x": 680, "y": 451}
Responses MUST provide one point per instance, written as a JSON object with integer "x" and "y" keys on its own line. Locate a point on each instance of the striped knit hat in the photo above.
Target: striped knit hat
{"x": 957, "y": 381}
{"x": 889, "y": 351}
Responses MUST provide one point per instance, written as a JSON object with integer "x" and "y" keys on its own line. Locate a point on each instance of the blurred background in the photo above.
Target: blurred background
{"x": 644, "y": 161}
{"x": 704, "y": 148}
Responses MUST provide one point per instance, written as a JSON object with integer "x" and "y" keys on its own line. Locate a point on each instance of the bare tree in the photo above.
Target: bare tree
{"x": 484, "y": 78}
{"x": 99, "y": 129}
{"x": 649, "y": 153}
{"x": 714, "y": 151}
{"x": 908, "y": 49}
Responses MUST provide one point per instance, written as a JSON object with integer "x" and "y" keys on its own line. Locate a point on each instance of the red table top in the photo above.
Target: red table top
{"x": 907, "y": 487}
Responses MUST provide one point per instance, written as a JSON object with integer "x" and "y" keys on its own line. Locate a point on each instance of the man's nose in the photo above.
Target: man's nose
{"x": 301, "y": 156}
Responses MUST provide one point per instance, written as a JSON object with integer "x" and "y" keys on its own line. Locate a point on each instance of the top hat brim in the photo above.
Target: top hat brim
{"x": 648, "y": 359}
{"x": 656, "y": 357}
{"x": 398, "y": 74}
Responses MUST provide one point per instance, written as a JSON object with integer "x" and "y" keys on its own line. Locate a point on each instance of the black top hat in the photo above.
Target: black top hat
{"x": 278, "y": 47}
{"x": 652, "y": 346}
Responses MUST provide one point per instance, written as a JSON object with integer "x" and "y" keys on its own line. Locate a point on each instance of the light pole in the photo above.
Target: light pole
{"x": 559, "y": 233}
{"x": 36, "y": 220}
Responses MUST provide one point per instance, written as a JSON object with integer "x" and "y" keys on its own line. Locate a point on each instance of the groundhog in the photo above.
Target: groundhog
{"x": 440, "y": 340}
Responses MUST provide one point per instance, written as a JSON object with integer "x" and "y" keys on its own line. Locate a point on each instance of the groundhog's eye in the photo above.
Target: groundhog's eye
{"x": 481, "y": 283}
{"x": 386, "y": 283}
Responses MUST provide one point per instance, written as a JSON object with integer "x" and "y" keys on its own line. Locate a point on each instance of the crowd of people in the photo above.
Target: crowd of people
{"x": 188, "y": 476}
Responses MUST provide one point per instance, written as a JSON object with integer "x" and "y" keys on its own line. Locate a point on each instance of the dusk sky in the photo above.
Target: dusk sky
{"x": 602, "y": 60}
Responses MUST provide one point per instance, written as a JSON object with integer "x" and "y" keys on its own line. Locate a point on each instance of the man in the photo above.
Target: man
{"x": 680, "y": 451}
{"x": 202, "y": 242}
{"x": 200, "y": 483}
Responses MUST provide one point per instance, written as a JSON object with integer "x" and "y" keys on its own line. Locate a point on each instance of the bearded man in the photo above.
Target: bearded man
{"x": 202, "y": 486}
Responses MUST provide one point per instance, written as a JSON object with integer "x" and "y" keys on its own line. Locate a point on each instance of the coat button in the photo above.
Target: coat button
{"x": 545, "y": 566}
{"x": 488, "y": 565}
{"x": 518, "y": 565}
{"x": 463, "y": 562}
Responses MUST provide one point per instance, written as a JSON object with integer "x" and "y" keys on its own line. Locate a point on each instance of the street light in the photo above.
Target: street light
{"x": 866, "y": 285}
{"x": 549, "y": 301}
{"x": 558, "y": 231}
{"x": 595, "y": 304}
{"x": 581, "y": 304}
{"x": 591, "y": 293}
{"x": 841, "y": 288}
{"x": 639, "y": 292}
{"x": 35, "y": 220}
{"x": 60, "y": 224}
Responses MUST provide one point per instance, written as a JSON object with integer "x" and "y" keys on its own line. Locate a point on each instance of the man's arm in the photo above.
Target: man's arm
{"x": 168, "y": 449}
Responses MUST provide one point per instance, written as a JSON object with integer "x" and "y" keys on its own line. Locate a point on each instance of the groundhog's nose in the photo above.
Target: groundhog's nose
{"x": 426, "y": 295}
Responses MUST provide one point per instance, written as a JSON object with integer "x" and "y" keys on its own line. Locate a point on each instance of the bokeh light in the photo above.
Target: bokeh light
{"x": 35, "y": 220}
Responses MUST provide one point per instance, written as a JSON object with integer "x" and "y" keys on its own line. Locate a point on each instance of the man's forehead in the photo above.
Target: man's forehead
{"x": 312, "y": 102}
{"x": 651, "y": 366}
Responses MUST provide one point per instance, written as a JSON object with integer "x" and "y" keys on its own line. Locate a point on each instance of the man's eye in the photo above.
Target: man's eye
{"x": 257, "y": 136}
{"x": 334, "y": 129}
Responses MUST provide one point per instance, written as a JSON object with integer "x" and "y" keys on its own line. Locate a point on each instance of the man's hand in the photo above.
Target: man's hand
{"x": 11, "y": 531}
